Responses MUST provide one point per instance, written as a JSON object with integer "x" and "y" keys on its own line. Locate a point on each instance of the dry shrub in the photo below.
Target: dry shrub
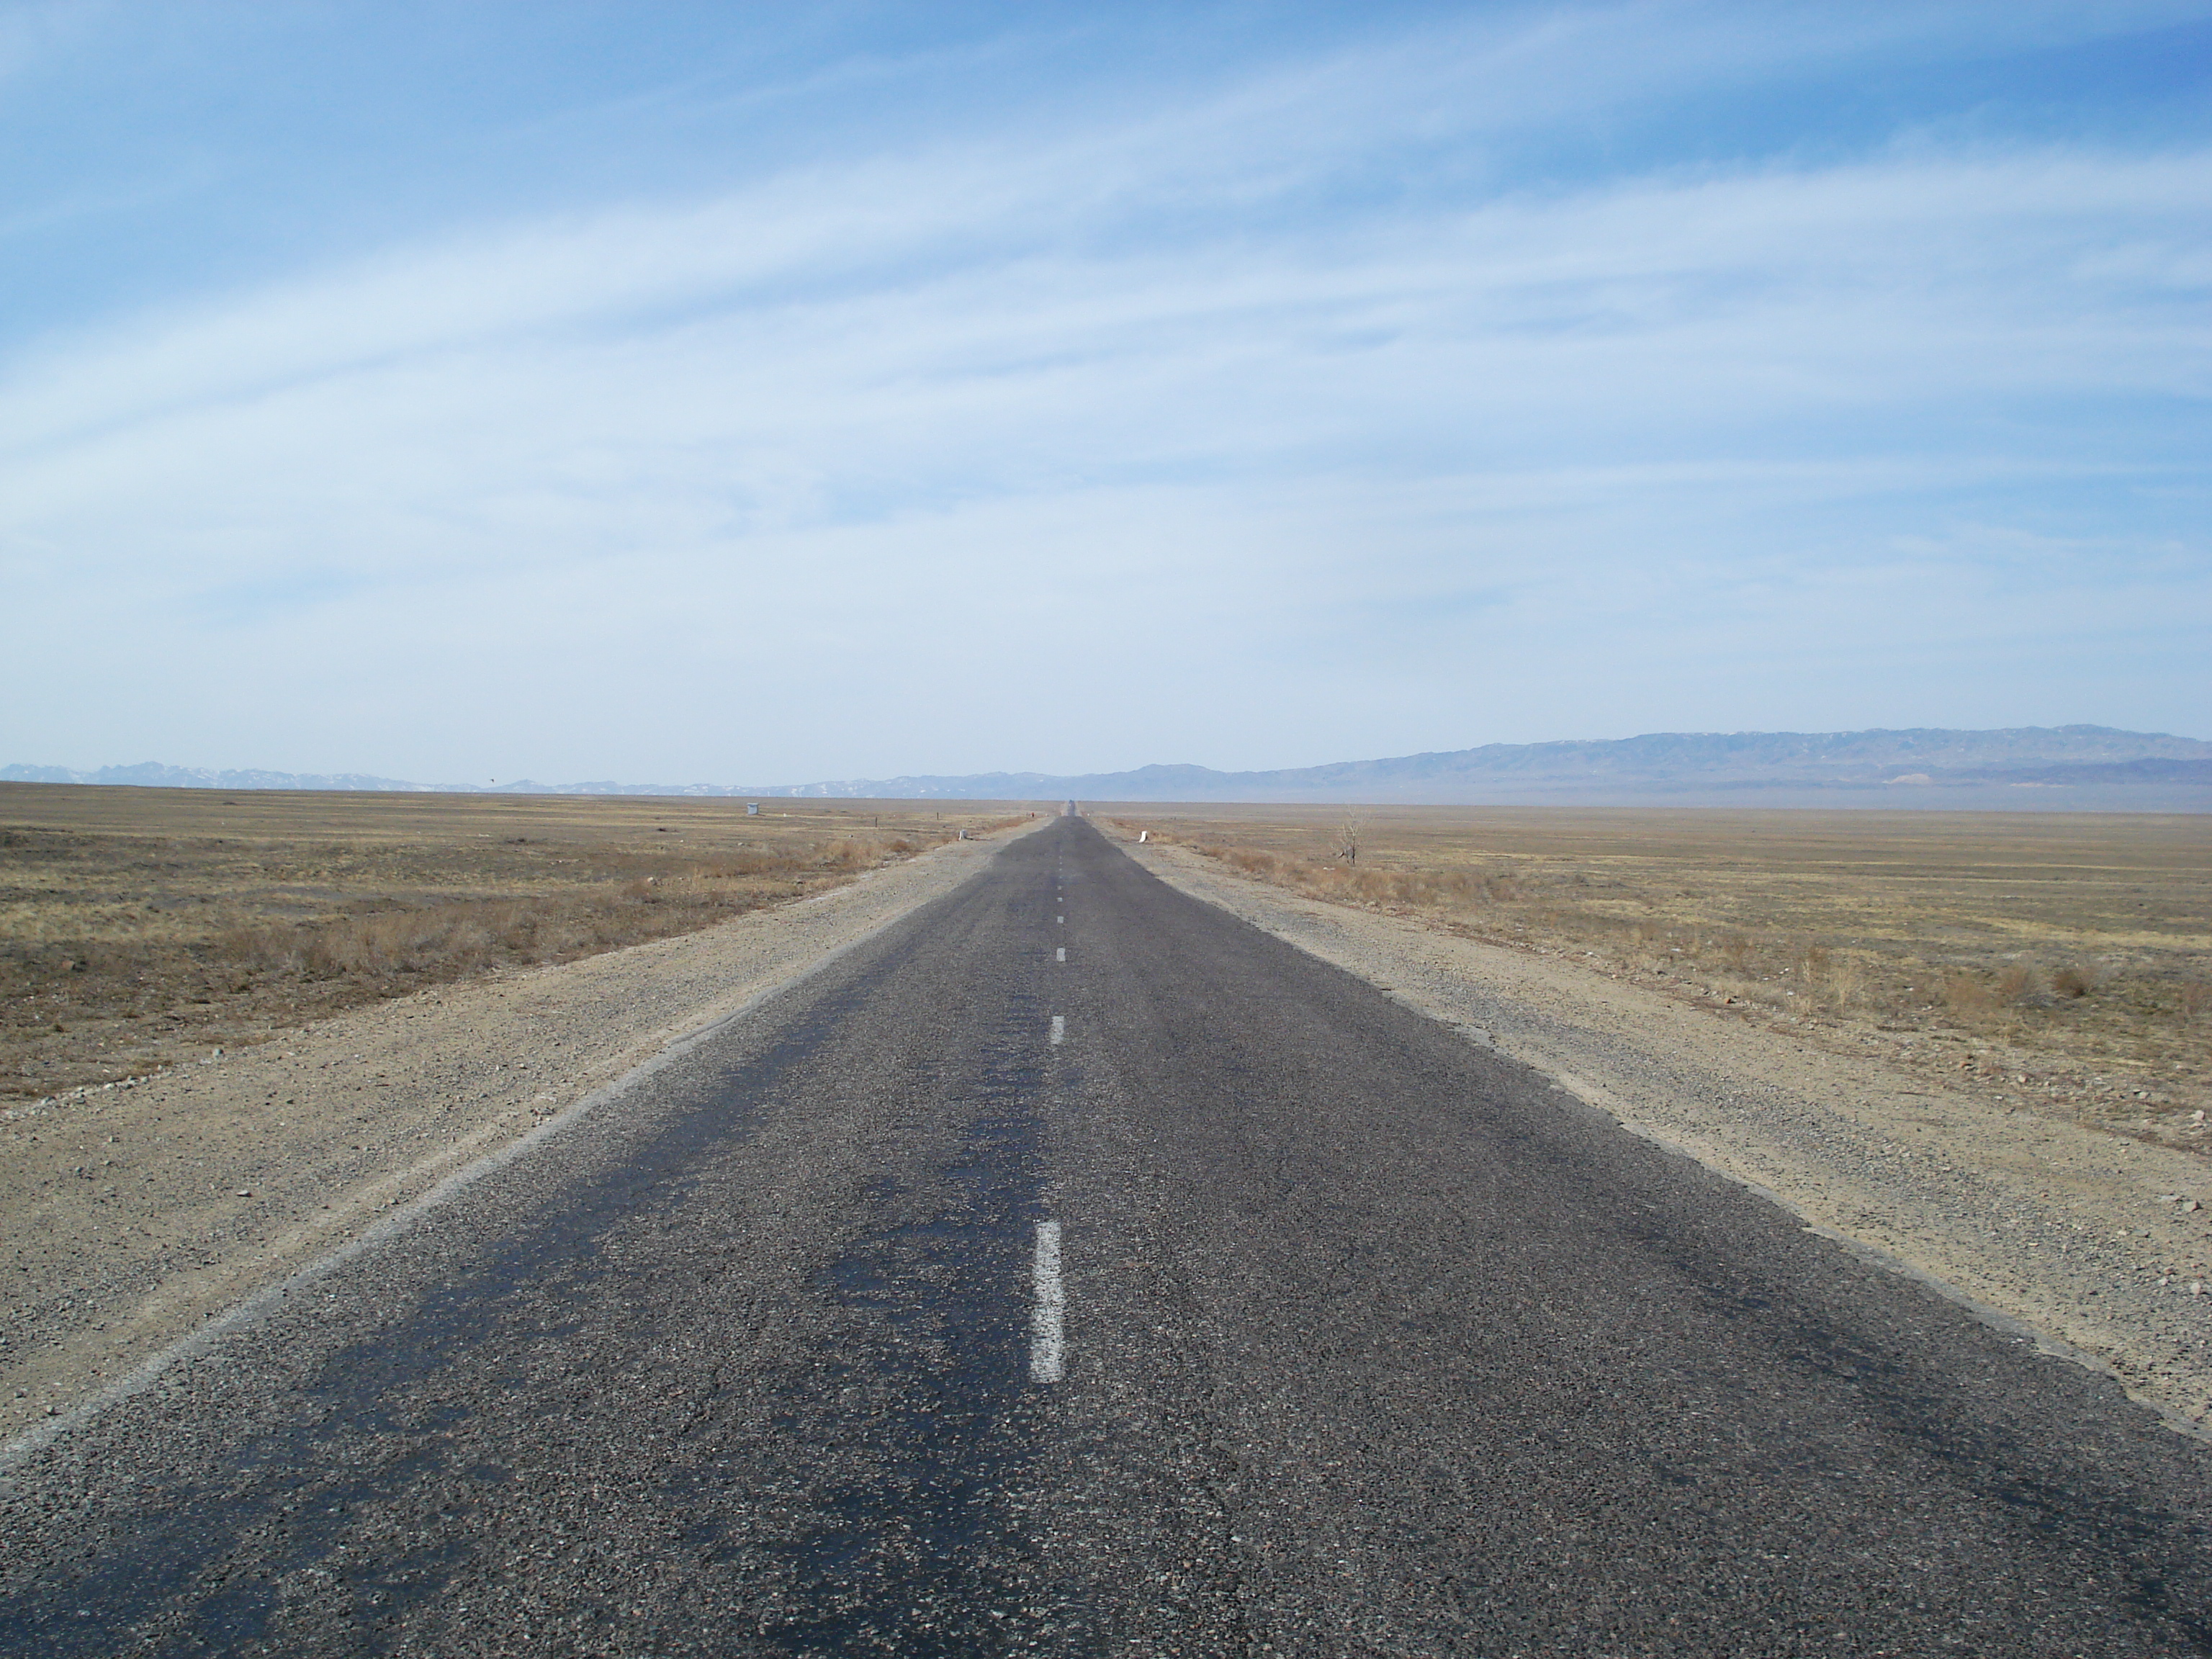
{"x": 2016, "y": 983}
{"x": 403, "y": 942}
{"x": 450, "y": 941}
{"x": 1968, "y": 996}
{"x": 850, "y": 854}
{"x": 1446, "y": 890}
{"x": 1252, "y": 864}
{"x": 2195, "y": 999}
{"x": 1349, "y": 838}
{"x": 2075, "y": 979}
{"x": 1846, "y": 979}
{"x": 737, "y": 867}
{"x": 257, "y": 949}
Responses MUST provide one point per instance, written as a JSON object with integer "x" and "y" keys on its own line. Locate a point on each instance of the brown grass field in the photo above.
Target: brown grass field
{"x": 138, "y": 926}
{"x": 2062, "y": 957}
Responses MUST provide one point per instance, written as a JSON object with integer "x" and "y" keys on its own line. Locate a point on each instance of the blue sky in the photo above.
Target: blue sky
{"x": 670, "y": 393}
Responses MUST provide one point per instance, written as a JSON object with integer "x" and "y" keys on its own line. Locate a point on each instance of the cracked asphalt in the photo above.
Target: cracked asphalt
{"x": 1376, "y": 1343}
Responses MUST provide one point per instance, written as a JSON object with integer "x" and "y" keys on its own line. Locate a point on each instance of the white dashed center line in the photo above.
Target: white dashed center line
{"x": 1060, "y": 954}
{"x": 1060, "y": 1028}
{"x": 1063, "y": 920}
{"x": 1047, "y": 1320}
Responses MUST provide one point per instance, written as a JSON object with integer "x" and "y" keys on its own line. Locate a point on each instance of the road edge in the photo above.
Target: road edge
{"x": 255, "y": 1305}
{"x": 1599, "y": 1098}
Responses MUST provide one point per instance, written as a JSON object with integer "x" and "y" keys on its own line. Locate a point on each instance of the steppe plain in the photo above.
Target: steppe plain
{"x": 242, "y": 1030}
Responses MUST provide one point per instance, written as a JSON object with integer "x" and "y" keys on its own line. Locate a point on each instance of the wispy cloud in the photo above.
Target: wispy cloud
{"x": 1181, "y": 411}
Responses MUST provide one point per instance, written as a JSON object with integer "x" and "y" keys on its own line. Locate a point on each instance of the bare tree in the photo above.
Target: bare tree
{"x": 1347, "y": 838}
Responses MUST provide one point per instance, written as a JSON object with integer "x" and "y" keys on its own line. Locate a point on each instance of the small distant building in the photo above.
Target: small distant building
{"x": 752, "y": 809}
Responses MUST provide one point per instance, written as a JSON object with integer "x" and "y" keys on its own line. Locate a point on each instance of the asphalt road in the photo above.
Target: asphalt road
{"x": 1359, "y": 1339}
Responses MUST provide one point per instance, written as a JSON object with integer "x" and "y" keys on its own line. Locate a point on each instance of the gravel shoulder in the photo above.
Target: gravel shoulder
{"x": 132, "y": 1217}
{"x": 2083, "y": 1238}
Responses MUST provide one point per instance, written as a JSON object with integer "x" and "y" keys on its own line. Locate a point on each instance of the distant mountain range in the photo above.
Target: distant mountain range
{"x": 2044, "y": 768}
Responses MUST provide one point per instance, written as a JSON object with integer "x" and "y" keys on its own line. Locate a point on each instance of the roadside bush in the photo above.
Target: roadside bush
{"x": 1845, "y": 980}
{"x": 1967, "y": 997}
{"x": 2073, "y": 980}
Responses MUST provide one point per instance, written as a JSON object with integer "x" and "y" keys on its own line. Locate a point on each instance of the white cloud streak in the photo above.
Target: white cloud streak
{"x": 766, "y": 486}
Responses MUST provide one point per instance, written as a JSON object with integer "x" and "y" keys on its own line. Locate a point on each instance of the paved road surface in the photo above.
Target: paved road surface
{"x": 1358, "y": 1340}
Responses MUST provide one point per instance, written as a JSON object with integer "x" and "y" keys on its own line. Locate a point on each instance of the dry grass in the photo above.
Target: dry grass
{"x": 2063, "y": 957}
{"x": 138, "y": 926}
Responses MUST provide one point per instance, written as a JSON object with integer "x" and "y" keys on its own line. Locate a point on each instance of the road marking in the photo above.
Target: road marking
{"x": 1061, "y": 920}
{"x": 1060, "y": 954}
{"x": 1049, "y": 1319}
{"x": 1060, "y": 1028}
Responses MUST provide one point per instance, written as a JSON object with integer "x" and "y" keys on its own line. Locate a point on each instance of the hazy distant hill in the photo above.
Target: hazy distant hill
{"x": 2047, "y": 768}
{"x": 152, "y": 775}
{"x": 2041, "y": 767}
